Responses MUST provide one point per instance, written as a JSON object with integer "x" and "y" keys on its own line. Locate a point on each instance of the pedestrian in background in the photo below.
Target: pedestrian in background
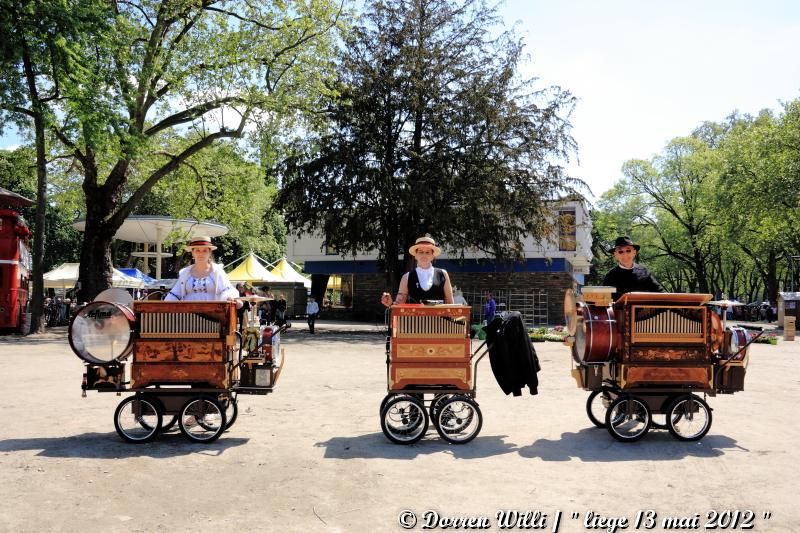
{"x": 490, "y": 309}
{"x": 312, "y": 310}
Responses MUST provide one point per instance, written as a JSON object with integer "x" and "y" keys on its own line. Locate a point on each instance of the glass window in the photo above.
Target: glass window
{"x": 567, "y": 230}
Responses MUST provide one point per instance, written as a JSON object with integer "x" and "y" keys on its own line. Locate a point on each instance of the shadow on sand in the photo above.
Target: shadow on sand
{"x": 376, "y": 446}
{"x": 587, "y": 445}
{"x": 110, "y": 446}
{"x": 596, "y": 445}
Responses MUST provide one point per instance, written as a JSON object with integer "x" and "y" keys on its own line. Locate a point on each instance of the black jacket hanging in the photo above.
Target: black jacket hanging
{"x": 511, "y": 354}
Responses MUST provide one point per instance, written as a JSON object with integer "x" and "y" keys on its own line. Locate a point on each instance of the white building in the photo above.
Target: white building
{"x": 533, "y": 286}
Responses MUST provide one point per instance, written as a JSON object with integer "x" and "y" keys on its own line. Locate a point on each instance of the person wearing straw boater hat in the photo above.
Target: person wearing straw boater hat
{"x": 629, "y": 276}
{"x": 203, "y": 279}
{"x": 424, "y": 282}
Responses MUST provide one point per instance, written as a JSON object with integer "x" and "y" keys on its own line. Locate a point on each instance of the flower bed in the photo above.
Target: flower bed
{"x": 555, "y": 334}
{"x": 768, "y": 337}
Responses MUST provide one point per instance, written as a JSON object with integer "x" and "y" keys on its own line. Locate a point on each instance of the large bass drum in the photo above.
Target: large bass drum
{"x": 739, "y": 338}
{"x": 102, "y": 332}
{"x": 595, "y": 335}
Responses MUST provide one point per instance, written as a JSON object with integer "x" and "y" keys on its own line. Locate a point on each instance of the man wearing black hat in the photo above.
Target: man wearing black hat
{"x": 628, "y": 276}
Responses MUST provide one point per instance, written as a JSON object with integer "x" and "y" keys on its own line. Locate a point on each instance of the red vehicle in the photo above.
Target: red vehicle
{"x": 15, "y": 262}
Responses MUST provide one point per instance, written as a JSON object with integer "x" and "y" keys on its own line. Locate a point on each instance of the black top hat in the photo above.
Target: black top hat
{"x": 625, "y": 241}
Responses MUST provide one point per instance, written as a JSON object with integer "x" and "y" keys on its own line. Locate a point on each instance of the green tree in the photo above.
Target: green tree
{"x": 676, "y": 188}
{"x": 170, "y": 79}
{"x": 221, "y": 185}
{"x": 760, "y": 179}
{"x": 434, "y": 132}
{"x": 38, "y": 66}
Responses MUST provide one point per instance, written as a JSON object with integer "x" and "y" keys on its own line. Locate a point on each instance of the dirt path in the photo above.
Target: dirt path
{"x": 311, "y": 456}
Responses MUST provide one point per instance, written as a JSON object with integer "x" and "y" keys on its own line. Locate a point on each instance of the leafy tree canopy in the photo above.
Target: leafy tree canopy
{"x": 434, "y": 132}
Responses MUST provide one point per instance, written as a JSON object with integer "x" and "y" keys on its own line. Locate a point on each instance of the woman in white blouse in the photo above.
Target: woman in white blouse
{"x": 424, "y": 282}
{"x": 203, "y": 279}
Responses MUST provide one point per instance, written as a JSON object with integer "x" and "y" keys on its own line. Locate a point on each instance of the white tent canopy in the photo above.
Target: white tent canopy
{"x": 66, "y": 275}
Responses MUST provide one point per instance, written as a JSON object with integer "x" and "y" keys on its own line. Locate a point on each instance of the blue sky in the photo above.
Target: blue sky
{"x": 645, "y": 72}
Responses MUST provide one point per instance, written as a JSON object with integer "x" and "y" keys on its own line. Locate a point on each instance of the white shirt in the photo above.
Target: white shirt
{"x": 312, "y": 308}
{"x": 425, "y": 277}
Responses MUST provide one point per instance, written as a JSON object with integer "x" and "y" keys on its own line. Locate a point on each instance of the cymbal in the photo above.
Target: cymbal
{"x": 724, "y": 303}
{"x": 570, "y": 311}
{"x": 251, "y": 299}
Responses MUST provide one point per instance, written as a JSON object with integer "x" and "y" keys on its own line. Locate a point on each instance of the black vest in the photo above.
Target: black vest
{"x": 415, "y": 292}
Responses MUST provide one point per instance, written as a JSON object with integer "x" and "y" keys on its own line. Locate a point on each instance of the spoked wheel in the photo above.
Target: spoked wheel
{"x": 404, "y": 419}
{"x": 202, "y": 419}
{"x": 458, "y": 419}
{"x": 689, "y": 418}
{"x": 138, "y": 419}
{"x": 628, "y": 418}
{"x": 231, "y": 411}
{"x": 385, "y": 401}
{"x": 436, "y": 403}
{"x": 165, "y": 426}
{"x": 597, "y": 404}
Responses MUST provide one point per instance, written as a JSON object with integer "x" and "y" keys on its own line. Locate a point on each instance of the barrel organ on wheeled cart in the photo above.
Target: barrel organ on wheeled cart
{"x": 183, "y": 361}
{"x": 652, "y": 354}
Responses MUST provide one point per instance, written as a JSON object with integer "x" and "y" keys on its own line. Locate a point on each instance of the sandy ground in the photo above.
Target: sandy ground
{"x": 311, "y": 456}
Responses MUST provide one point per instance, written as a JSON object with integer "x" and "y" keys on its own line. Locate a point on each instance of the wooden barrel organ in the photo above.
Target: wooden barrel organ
{"x": 430, "y": 347}
{"x": 428, "y": 353}
{"x": 653, "y": 340}
{"x": 184, "y": 362}
{"x": 646, "y": 354}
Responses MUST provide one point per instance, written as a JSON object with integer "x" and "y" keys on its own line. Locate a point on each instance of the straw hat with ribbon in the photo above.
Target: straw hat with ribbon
{"x": 425, "y": 242}
{"x": 203, "y": 241}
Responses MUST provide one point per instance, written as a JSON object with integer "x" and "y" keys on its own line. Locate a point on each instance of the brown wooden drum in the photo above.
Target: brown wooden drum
{"x": 595, "y": 336}
{"x": 102, "y": 332}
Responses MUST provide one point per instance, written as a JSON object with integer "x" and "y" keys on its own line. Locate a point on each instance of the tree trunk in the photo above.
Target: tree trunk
{"x": 95, "y": 269}
{"x": 771, "y": 282}
{"x": 319, "y": 286}
{"x": 37, "y": 107}
{"x": 37, "y": 300}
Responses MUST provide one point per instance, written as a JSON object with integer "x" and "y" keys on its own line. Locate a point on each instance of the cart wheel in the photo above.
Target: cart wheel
{"x": 459, "y": 419}
{"x": 689, "y": 418}
{"x": 404, "y": 420}
{"x": 165, "y": 427}
{"x": 138, "y": 428}
{"x": 385, "y": 401}
{"x": 436, "y": 403}
{"x": 231, "y": 412}
{"x": 202, "y": 419}
{"x": 597, "y": 404}
{"x": 628, "y": 418}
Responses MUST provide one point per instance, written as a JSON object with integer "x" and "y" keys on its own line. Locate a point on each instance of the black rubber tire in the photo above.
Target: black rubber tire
{"x": 407, "y": 423}
{"x": 681, "y": 412}
{"x": 150, "y": 408}
{"x": 193, "y": 410}
{"x": 618, "y": 419}
{"x": 456, "y": 414}
{"x": 231, "y": 413}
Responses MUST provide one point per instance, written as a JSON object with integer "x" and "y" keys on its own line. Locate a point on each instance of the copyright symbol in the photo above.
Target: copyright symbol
{"x": 407, "y": 519}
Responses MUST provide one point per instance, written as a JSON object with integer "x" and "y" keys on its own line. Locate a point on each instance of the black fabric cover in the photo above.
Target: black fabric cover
{"x": 511, "y": 354}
